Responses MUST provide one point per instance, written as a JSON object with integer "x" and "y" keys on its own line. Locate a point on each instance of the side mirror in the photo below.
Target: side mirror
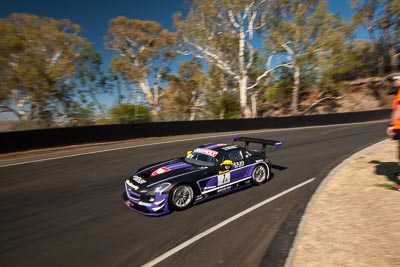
{"x": 189, "y": 153}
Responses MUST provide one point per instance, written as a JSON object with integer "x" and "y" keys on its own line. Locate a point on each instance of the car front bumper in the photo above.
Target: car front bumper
{"x": 151, "y": 206}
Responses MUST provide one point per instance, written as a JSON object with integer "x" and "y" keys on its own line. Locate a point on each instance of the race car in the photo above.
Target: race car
{"x": 208, "y": 171}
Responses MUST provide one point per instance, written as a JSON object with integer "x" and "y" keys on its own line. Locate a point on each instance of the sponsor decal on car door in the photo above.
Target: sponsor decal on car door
{"x": 224, "y": 178}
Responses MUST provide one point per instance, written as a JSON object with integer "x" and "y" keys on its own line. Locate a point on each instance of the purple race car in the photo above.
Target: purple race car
{"x": 207, "y": 171}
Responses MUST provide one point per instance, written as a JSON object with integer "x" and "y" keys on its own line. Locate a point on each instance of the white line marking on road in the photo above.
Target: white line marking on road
{"x": 178, "y": 141}
{"x": 222, "y": 224}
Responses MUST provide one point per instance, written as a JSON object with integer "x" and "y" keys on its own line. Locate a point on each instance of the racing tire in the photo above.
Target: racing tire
{"x": 260, "y": 174}
{"x": 181, "y": 197}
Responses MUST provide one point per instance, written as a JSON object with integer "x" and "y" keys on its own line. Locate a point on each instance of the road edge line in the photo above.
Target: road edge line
{"x": 214, "y": 228}
{"x": 321, "y": 187}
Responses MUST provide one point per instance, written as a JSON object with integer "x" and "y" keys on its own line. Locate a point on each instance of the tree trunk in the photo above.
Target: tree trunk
{"x": 296, "y": 89}
{"x": 254, "y": 105}
{"x": 192, "y": 104}
{"x": 154, "y": 113}
{"x": 394, "y": 59}
{"x": 151, "y": 97}
{"x": 246, "y": 111}
{"x": 21, "y": 109}
{"x": 192, "y": 114}
{"x": 222, "y": 113}
{"x": 381, "y": 65}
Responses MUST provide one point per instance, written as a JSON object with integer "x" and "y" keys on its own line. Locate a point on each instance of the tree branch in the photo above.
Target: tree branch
{"x": 156, "y": 87}
{"x": 319, "y": 101}
{"x": 258, "y": 80}
{"x": 207, "y": 54}
{"x": 251, "y": 56}
{"x": 144, "y": 84}
{"x": 232, "y": 19}
{"x": 250, "y": 29}
{"x": 4, "y": 108}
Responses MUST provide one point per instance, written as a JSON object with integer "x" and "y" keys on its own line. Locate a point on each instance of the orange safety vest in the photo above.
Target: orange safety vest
{"x": 396, "y": 102}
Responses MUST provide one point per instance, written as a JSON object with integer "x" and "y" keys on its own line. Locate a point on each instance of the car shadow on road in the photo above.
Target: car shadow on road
{"x": 389, "y": 169}
{"x": 278, "y": 167}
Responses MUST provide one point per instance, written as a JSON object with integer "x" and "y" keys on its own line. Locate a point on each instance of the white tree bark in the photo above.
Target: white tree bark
{"x": 296, "y": 89}
{"x": 242, "y": 24}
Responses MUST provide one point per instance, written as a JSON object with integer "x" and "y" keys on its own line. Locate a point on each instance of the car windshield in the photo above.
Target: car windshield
{"x": 201, "y": 159}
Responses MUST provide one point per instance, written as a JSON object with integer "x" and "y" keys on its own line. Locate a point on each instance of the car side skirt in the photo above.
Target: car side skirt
{"x": 223, "y": 191}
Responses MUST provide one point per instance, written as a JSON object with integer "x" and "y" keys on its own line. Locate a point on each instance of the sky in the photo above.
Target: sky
{"x": 93, "y": 15}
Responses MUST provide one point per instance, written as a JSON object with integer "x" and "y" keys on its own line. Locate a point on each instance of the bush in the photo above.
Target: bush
{"x": 129, "y": 113}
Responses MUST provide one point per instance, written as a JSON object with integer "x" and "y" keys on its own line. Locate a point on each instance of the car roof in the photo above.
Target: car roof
{"x": 219, "y": 147}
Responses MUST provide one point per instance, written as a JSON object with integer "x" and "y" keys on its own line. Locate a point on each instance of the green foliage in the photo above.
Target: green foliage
{"x": 226, "y": 105}
{"x": 80, "y": 115}
{"x": 144, "y": 50}
{"x": 37, "y": 64}
{"x": 47, "y": 68}
{"x": 223, "y": 33}
{"x": 222, "y": 99}
{"x": 182, "y": 97}
{"x": 309, "y": 34}
{"x": 280, "y": 90}
{"x": 129, "y": 113}
{"x": 90, "y": 78}
{"x": 381, "y": 20}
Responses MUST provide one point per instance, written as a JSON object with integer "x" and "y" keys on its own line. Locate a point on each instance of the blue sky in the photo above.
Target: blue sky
{"x": 93, "y": 16}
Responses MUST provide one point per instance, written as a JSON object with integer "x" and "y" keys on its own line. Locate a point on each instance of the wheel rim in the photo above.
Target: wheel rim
{"x": 182, "y": 196}
{"x": 259, "y": 174}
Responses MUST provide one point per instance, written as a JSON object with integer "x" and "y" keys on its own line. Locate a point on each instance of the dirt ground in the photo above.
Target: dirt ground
{"x": 354, "y": 218}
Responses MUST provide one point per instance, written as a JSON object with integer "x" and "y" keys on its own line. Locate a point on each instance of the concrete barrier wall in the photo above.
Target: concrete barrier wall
{"x": 45, "y": 138}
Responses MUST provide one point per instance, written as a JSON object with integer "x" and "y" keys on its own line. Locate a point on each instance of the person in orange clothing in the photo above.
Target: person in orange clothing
{"x": 393, "y": 130}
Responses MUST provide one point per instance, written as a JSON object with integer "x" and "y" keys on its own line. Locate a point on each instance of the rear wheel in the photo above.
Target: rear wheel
{"x": 181, "y": 197}
{"x": 260, "y": 174}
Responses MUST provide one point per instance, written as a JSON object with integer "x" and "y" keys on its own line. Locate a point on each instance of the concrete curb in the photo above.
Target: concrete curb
{"x": 320, "y": 188}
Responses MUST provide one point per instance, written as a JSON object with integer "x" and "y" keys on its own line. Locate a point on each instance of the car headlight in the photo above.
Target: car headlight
{"x": 158, "y": 189}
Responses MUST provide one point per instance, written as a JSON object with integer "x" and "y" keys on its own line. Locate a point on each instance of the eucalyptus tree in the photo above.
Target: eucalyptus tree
{"x": 224, "y": 33}
{"x": 308, "y": 33}
{"x": 222, "y": 96}
{"x": 91, "y": 80}
{"x": 119, "y": 77}
{"x": 144, "y": 50}
{"x": 381, "y": 18}
{"x": 37, "y": 66}
{"x": 185, "y": 90}
{"x": 128, "y": 113}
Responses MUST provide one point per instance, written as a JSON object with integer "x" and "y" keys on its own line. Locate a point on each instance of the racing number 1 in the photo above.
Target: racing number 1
{"x": 224, "y": 178}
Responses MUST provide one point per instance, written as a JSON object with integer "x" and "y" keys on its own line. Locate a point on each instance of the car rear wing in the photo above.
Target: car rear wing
{"x": 263, "y": 142}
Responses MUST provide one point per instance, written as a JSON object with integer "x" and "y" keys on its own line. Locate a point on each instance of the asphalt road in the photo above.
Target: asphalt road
{"x": 69, "y": 211}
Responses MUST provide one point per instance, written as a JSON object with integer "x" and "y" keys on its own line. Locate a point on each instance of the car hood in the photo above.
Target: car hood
{"x": 163, "y": 172}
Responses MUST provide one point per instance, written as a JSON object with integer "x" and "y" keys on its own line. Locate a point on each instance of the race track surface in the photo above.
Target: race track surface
{"x": 69, "y": 211}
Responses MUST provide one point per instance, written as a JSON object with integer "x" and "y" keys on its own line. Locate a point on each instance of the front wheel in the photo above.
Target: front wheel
{"x": 260, "y": 174}
{"x": 181, "y": 197}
